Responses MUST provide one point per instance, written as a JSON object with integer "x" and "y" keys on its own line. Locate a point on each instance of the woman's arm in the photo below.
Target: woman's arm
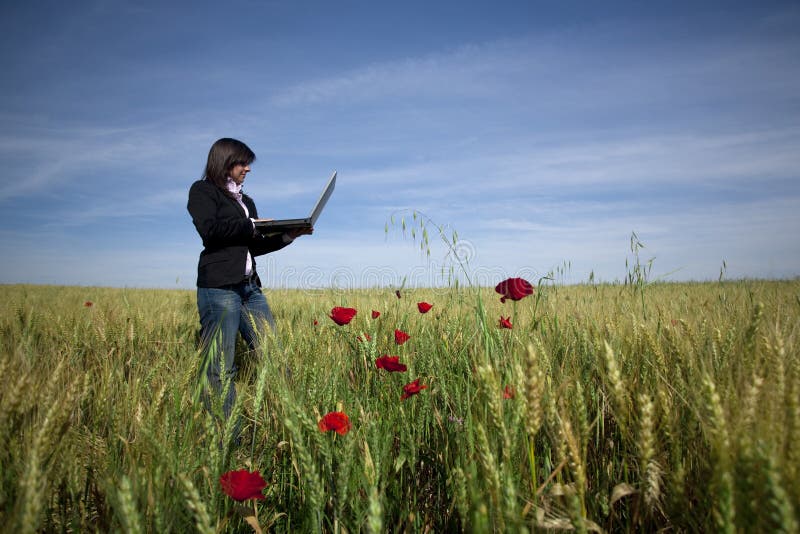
{"x": 216, "y": 230}
{"x": 261, "y": 244}
{"x": 275, "y": 242}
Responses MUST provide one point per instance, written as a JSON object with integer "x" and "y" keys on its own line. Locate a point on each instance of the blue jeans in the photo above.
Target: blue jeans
{"x": 224, "y": 311}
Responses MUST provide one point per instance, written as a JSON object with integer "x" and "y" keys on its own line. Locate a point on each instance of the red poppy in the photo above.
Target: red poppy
{"x": 424, "y": 307}
{"x": 391, "y": 364}
{"x": 514, "y": 289}
{"x": 505, "y": 322}
{"x": 315, "y": 322}
{"x": 400, "y": 337}
{"x": 375, "y": 314}
{"x": 365, "y": 337}
{"x": 88, "y": 304}
{"x": 336, "y": 421}
{"x": 397, "y": 292}
{"x": 243, "y": 485}
{"x": 412, "y": 388}
{"x": 508, "y": 392}
{"x": 342, "y": 316}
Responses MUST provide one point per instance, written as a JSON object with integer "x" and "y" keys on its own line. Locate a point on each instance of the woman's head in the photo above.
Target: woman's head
{"x": 225, "y": 154}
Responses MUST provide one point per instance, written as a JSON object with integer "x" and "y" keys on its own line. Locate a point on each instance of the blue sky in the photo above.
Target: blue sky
{"x": 543, "y": 132}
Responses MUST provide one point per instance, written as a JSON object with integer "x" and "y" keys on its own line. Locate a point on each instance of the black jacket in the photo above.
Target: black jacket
{"x": 227, "y": 235}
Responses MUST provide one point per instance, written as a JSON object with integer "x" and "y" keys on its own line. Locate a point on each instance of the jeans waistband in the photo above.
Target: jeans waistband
{"x": 246, "y": 281}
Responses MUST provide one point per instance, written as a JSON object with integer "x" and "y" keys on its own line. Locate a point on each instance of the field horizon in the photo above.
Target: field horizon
{"x": 443, "y": 287}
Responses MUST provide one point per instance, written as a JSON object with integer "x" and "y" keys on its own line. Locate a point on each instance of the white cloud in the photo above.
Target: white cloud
{"x": 675, "y": 161}
{"x": 39, "y": 158}
{"x": 568, "y": 71}
{"x": 475, "y": 71}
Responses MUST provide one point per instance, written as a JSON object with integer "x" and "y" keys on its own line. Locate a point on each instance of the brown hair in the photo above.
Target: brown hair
{"x": 226, "y": 153}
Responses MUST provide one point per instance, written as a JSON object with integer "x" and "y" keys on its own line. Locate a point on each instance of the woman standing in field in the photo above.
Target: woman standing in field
{"x": 229, "y": 297}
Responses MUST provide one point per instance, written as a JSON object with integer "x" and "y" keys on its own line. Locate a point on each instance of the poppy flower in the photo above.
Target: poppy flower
{"x": 400, "y": 337}
{"x": 508, "y": 392}
{"x": 391, "y": 364}
{"x": 342, "y": 316}
{"x": 375, "y": 314}
{"x": 243, "y": 485}
{"x": 315, "y": 322}
{"x": 397, "y": 292}
{"x": 88, "y": 304}
{"x": 505, "y": 322}
{"x": 514, "y": 289}
{"x": 336, "y": 421}
{"x": 365, "y": 337}
{"x": 412, "y": 388}
{"x": 424, "y": 307}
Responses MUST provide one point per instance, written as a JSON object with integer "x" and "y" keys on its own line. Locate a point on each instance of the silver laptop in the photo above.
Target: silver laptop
{"x": 266, "y": 226}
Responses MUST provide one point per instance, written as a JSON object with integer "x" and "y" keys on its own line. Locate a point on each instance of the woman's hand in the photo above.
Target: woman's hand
{"x": 297, "y": 232}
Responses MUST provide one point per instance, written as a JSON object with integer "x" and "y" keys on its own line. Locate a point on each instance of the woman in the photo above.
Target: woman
{"x": 229, "y": 297}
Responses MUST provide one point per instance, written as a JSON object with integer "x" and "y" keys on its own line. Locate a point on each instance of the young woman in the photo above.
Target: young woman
{"x": 229, "y": 297}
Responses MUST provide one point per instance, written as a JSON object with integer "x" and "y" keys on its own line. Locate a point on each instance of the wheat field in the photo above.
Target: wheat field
{"x": 607, "y": 407}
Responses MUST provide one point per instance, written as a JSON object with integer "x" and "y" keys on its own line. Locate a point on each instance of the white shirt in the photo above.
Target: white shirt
{"x": 236, "y": 189}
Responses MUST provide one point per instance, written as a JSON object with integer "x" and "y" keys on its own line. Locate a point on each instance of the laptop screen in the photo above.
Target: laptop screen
{"x": 323, "y": 199}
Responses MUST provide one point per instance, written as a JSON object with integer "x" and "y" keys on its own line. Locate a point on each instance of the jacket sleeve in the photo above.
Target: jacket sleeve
{"x": 263, "y": 244}
{"x": 216, "y": 231}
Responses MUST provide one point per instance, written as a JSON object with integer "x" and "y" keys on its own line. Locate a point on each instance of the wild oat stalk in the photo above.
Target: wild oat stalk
{"x": 196, "y": 505}
{"x": 792, "y": 450}
{"x": 128, "y": 514}
{"x": 576, "y": 462}
{"x": 492, "y": 392}
{"x": 780, "y": 510}
{"x": 375, "y": 512}
{"x": 375, "y": 508}
{"x": 42, "y": 451}
{"x": 534, "y": 392}
{"x": 751, "y": 334}
{"x": 312, "y": 484}
{"x": 619, "y": 393}
{"x": 533, "y": 409}
{"x": 725, "y": 510}
{"x": 649, "y": 469}
{"x": 776, "y": 362}
{"x": 750, "y": 407}
{"x": 492, "y": 474}
{"x": 458, "y": 485}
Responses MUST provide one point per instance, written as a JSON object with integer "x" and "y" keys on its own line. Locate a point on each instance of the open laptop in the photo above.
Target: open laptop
{"x": 266, "y": 226}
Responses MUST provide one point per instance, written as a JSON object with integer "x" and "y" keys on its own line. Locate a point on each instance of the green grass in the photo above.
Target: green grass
{"x": 672, "y": 406}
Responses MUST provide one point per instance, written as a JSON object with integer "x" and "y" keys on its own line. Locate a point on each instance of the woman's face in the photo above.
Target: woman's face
{"x": 238, "y": 172}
